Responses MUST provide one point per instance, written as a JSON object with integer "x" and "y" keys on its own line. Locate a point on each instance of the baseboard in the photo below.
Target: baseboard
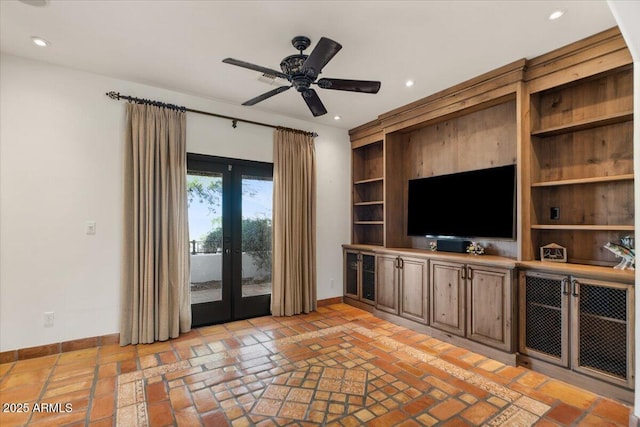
{"x": 57, "y": 348}
{"x": 359, "y": 304}
{"x": 329, "y": 301}
{"x": 83, "y": 343}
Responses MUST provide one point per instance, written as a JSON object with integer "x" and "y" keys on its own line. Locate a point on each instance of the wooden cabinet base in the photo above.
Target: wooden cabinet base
{"x": 594, "y": 385}
{"x": 359, "y": 304}
{"x": 500, "y": 356}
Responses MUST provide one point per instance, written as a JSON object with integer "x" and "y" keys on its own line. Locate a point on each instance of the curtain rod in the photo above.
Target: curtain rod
{"x": 234, "y": 120}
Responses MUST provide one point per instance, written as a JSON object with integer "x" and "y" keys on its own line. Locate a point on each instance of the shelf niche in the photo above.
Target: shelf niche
{"x": 368, "y": 194}
{"x": 582, "y": 164}
{"x": 484, "y": 138}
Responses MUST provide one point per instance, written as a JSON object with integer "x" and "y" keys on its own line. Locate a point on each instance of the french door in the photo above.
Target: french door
{"x": 230, "y": 217}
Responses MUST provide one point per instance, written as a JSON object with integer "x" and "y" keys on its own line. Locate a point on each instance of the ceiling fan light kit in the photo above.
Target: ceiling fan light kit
{"x": 302, "y": 71}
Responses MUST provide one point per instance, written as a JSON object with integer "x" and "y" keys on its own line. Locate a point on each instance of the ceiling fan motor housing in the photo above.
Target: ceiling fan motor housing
{"x": 292, "y": 64}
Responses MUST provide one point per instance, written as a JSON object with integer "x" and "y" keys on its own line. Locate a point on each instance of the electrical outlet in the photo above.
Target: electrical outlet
{"x": 554, "y": 213}
{"x": 333, "y": 283}
{"x": 48, "y": 319}
{"x": 90, "y": 228}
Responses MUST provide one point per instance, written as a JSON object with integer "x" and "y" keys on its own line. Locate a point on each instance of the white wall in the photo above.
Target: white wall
{"x": 61, "y": 144}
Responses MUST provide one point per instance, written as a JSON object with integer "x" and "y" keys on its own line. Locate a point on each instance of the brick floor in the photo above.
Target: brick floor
{"x": 338, "y": 366}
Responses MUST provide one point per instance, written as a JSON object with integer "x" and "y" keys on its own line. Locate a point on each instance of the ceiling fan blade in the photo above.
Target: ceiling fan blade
{"x": 364, "y": 86}
{"x": 254, "y": 67}
{"x": 321, "y": 54}
{"x": 266, "y": 95}
{"x": 313, "y": 102}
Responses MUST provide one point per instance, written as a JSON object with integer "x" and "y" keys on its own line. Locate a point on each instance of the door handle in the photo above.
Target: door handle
{"x": 470, "y": 273}
{"x": 227, "y": 251}
{"x": 574, "y": 288}
{"x": 463, "y": 273}
{"x": 565, "y": 286}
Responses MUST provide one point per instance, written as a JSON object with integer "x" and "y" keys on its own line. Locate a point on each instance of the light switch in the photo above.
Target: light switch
{"x": 91, "y": 228}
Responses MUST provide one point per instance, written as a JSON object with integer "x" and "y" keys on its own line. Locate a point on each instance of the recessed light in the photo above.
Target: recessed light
{"x": 39, "y": 41}
{"x": 408, "y": 83}
{"x": 556, "y": 14}
{"x": 336, "y": 117}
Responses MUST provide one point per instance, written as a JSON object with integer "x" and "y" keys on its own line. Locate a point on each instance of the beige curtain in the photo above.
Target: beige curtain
{"x": 294, "y": 227}
{"x": 155, "y": 283}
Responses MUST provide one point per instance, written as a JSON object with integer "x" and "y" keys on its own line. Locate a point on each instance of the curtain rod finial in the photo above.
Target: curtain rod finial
{"x": 113, "y": 95}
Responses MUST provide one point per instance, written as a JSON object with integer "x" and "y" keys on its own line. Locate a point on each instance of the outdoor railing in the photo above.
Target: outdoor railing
{"x": 203, "y": 247}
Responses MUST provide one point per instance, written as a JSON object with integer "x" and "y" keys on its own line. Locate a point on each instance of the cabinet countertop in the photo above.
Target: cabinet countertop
{"x": 492, "y": 260}
{"x": 581, "y": 270}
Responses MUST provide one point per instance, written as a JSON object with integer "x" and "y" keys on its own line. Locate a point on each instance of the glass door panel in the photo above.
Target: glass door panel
{"x": 205, "y": 236}
{"x": 208, "y": 188}
{"x": 252, "y": 239}
{"x": 257, "y": 206}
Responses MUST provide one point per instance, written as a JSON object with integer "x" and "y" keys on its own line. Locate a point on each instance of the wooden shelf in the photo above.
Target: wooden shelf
{"x": 610, "y": 119}
{"x": 579, "y": 227}
{"x": 367, "y": 181}
{"x": 591, "y": 180}
{"x": 371, "y": 203}
{"x": 368, "y": 222}
{"x": 603, "y": 318}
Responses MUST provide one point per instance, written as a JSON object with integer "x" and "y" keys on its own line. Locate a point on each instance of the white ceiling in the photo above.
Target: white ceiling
{"x": 179, "y": 45}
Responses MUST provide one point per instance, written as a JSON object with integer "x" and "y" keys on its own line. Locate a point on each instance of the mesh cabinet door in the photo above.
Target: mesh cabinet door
{"x": 602, "y": 330}
{"x": 369, "y": 277}
{"x": 351, "y": 274}
{"x": 544, "y": 319}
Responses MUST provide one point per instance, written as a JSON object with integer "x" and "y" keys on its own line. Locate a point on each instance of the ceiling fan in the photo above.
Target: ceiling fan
{"x": 302, "y": 71}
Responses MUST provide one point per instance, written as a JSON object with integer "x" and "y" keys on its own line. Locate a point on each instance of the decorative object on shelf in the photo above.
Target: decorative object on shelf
{"x": 628, "y": 242}
{"x": 625, "y": 251}
{"x": 433, "y": 246}
{"x": 475, "y": 248}
{"x": 553, "y": 253}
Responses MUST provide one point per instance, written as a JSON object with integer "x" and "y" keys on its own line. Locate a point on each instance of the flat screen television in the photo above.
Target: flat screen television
{"x": 474, "y": 204}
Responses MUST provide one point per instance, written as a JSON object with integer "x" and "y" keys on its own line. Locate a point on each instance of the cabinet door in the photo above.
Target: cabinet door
{"x": 387, "y": 283}
{"x": 544, "y": 317}
{"x": 351, "y": 274}
{"x": 602, "y": 330}
{"x": 368, "y": 278}
{"x": 413, "y": 289}
{"x": 447, "y": 296}
{"x": 489, "y": 306}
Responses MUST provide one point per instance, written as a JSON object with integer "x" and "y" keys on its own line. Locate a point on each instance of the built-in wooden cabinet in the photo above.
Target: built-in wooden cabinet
{"x": 387, "y": 283}
{"x": 447, "y": 296}
{"x": 582, "y": 166}
{"x": 414, "y": 290}
{"x": 402, "y": 286}
{"x": 474, "y": 301}
{"x": 359, "y": 275}
{"x": 565, "y": 119}
{"x": 491, "y": 306}
{"x": 578, "y": 323}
